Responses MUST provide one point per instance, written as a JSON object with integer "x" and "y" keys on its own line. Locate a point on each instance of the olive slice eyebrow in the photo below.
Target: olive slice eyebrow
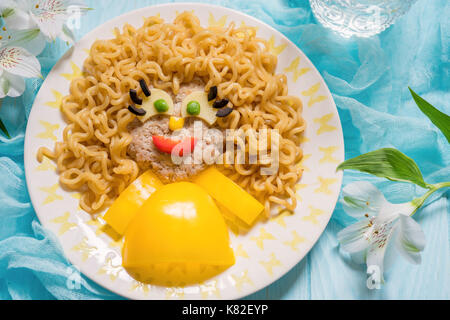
{"x": 134, "y": 97}
{"x": 212, "y": 94}
{"x": 137, "y": 111}
{"x": 224, "y": 112}
{"x": 144, "y": 88}
{"x": 220, "y": 103}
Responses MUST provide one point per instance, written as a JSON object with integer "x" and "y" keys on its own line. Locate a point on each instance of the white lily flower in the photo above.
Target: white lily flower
{"x": 16, "y": 63}
{"x": 49, "y": 16}
{"x": 381, "y": 222}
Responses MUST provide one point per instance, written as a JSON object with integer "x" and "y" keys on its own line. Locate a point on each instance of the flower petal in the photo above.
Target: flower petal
{"x": 20, "y": 62}
{"x": 50, "y": 25}
{"x": 49, "y": 15}
{"x": 391, "y": 211}
{"x": 381, "y": 237}
{"x": 360, "y": 198}
{"x": 15, "y": 17}
{"x": 31, "y": 40}
{"x": 355, "y": 237}
{"x": 410, "y": 240}
{"x": 359, "y": 257}
{"x": 11, "y": 85}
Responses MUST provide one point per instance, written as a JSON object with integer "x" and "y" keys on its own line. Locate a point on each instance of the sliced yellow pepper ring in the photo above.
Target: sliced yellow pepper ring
{"x": 130, "y": 200}
{"x": 178, "y": 235}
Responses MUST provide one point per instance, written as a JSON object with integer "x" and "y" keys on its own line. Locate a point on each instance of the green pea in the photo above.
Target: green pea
{"x": 193, "y": 108}
{"x": 161, "y": 105}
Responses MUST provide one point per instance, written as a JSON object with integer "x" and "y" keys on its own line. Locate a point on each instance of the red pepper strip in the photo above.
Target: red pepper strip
{"x": 166, "y": 145}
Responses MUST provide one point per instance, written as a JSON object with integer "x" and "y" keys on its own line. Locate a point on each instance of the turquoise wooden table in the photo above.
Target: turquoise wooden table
{"x": 368, "y": 79}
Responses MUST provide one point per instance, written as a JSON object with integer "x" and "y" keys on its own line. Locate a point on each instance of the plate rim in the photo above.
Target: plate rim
{"x": 186, "y": 6}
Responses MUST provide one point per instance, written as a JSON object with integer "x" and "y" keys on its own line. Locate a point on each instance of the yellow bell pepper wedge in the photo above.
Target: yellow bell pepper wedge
{"x": 230, "y": 195}
{"x": 130, "y": 200}
{"x": 177, "y": 233}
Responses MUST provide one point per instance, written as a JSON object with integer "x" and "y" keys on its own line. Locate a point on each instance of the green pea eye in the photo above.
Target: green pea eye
{"x": 193, "y": 108}
{"x": 161, "y": 105}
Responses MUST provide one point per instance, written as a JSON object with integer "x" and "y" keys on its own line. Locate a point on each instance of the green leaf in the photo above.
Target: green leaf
{"x": 5, "y": 131}
{"x": 7, "y": 12}
{"x": 440, "y": 119}
{"x": 387, "y": 163}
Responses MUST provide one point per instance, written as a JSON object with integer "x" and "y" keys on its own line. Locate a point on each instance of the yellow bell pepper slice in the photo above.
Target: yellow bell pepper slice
{"x": 236, "y": 225}
{"x": 130, "y": 200}
{"x": 229, "y": 194}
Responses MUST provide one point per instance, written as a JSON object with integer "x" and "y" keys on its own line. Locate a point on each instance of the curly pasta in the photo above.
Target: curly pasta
{"x": 92, "y": 158}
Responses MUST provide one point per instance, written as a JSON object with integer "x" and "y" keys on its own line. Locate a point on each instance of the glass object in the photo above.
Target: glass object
{"x": 362, "y": 18}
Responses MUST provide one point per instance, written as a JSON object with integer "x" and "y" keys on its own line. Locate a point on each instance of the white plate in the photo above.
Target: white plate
{"x": 263, "y": 255}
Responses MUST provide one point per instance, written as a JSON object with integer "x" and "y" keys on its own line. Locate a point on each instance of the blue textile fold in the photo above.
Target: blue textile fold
{"x": 369, "y": 80}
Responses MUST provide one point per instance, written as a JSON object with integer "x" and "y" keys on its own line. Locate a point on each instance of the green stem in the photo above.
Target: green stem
{"x": 418, "y": 202}
{"x": 2, "y": 125}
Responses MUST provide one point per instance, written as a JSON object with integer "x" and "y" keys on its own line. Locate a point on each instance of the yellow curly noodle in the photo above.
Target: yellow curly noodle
{"x": 92, "y": 158}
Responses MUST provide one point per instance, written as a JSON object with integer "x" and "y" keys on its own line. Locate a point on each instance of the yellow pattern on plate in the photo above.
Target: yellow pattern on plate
{"x": 51, "y": 193}
{"x": 296, "y": 240}
{"x": 136, "y": 285}
{"x": 311, "y": 93}
{"x": 324, "y": 126}
{"x": 325, "y": 185}
{"x": 271, "y": 263}
{"x": 212, "y": 22}
{"x": 85, "y": 249}
{"x": 276, "y": 50}
{"x": 242, "y": 279}
{"x": 58, "y": 100}
{"x": 280, "y": 217}
{"x": 240, "y": 252}
{"x": 110, "y": 269}
{"x": 45, "y": 165}
{"x": 328, "y": 154}
{"x": 64, "y": 222}
{"x": 174, "y": 292}
{"x": 209, "y": 288}
{"x": 313, "y": 214}
{"x": 263, "y": 235}
{"x": 49, "y": 130}
{"x": 76, "y": 72}
{"x": 294, "y": 67}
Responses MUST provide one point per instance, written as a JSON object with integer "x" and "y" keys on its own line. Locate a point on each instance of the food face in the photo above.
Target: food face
{"x": 167, "y": 124}
{"x": 108, "y": 144}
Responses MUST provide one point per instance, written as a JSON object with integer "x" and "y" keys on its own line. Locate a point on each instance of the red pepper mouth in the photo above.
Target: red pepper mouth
{"x": 167, "y": 145}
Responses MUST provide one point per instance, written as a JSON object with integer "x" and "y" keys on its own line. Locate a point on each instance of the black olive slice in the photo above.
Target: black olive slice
{"x": 224, "y": 112}
{"x": 144, "y": 88}
{"x": 212, "y": 94}
{"x": 134, "y": 97}
{"x": 137, "y": 111}
{"x": 220, "y": 103}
